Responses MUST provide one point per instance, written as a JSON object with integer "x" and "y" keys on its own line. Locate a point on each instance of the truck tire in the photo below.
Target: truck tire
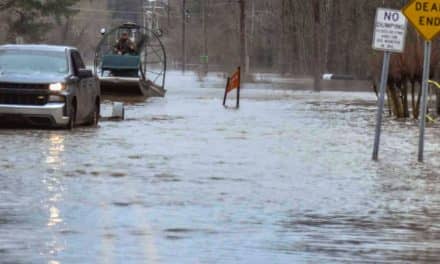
{"x": 95, "y": 115}
{"x": 72, "y": 116}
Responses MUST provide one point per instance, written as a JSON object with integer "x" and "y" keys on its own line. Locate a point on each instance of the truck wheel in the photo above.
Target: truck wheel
{"x": 94, "y": 119}
{"x": 72, "y": 117}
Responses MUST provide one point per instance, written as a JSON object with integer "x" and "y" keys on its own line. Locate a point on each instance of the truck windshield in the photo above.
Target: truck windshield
{"x": 33, "y": 62}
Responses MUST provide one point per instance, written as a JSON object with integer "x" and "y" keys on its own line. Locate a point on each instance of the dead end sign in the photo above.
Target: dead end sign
{"x": 389, "y": 31}
{"x": 424, "y": 15}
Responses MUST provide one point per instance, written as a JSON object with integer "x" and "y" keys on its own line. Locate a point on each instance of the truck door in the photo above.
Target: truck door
{"x": 83, "y": 91}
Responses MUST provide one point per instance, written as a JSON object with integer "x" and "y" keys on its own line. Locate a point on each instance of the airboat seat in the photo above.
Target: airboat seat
{"x": 120, "y": 62}
{"x": 121, "y": 65}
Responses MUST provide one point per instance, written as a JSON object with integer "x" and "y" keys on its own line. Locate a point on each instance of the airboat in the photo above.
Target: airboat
{"x": 140, "y": 73}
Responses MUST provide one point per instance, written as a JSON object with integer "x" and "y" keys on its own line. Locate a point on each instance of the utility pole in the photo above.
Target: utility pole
{"x": 316, "y": 45}
{"x": 253, "y": 19}
{"x": 183, "y": 36}
{"x": 243, "y": 55}
{"x": 154, "y": 20}
{"x": 250, "y": 47}
{"x": 283, "y": 53}
{"x": 144, "y": 14}
{"x": 205, "y": 37}
{"x": 168, "y": 15}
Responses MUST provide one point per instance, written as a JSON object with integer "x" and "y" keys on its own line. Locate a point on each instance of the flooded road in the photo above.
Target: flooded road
{"x": 285, "y": 179}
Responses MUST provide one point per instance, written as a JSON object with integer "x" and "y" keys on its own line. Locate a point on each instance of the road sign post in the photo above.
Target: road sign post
{"x": 389, "y": 36}
{"x": 424, "y": 15}
{"x": 424, "y": 105}
{"x": 381, "y": 103}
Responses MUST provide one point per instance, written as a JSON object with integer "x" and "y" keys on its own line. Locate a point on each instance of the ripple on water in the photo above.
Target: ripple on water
{"x": 128, "y": 203}
{"x": 371, "y": 236}
{"x": 156, "y": 118}
{"x": 81, "y": 172}
{"x": 139, "y": 232}
{"x": 8, "y": 166}
{"x": 184, "y": 233}
{"x": 135, "y": 157}
{"x": 218, "y": 178}
{"x": 69, "y": 232}
{"x": 118, "y": 174}
{"x": 95, "y": 173}
{"x": 166, "y": 177}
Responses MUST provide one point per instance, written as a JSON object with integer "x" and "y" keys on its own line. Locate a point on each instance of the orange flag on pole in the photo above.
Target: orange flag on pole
{"x": 234, "y": 82}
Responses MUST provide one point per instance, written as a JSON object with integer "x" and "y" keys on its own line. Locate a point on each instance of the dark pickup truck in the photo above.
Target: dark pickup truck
{"x": 47, "y": 86}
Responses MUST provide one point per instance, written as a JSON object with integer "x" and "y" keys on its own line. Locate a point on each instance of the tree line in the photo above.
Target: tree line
{"x": 283, "y": 36}
{"x": 63, "y": 22}
{"x": 293, "y": 37}
{"x": 32, "y": 19}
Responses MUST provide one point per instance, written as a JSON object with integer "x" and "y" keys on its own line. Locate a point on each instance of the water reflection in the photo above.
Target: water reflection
{"x": 56, "y": 148}
{"x": 52, "y": 179}
{"x": 55, "y": 189}
{"x": 54, "y": 216}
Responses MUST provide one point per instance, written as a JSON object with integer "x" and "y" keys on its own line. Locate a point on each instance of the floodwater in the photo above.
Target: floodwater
{"x": 288, "y": 178}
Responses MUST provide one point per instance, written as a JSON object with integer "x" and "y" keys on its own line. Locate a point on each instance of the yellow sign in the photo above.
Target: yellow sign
{"x": 424, "y": 15}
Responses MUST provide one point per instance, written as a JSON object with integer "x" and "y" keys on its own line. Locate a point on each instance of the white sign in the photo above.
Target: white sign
{"x": 389, "y": 30}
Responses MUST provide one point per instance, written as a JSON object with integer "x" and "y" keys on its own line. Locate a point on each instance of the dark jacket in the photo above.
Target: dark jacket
{"x": 124, "y": 46}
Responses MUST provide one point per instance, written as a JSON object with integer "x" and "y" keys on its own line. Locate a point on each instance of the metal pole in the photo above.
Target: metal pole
{"x": 226, "y": 91}
{"x": 424, "y": 105}
{"x": 381, "y": 103}
{"x": 243, "y": 51}
{"x": 155, "y": 26}
{"x": 183, "y": 36}
{"x": 205, "y": 37}
{"x": 144, "y": 17}
{"x": 239, "y": 87}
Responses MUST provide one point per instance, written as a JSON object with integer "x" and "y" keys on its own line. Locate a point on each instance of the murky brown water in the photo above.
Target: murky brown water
{"x": 285, "y": 179}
